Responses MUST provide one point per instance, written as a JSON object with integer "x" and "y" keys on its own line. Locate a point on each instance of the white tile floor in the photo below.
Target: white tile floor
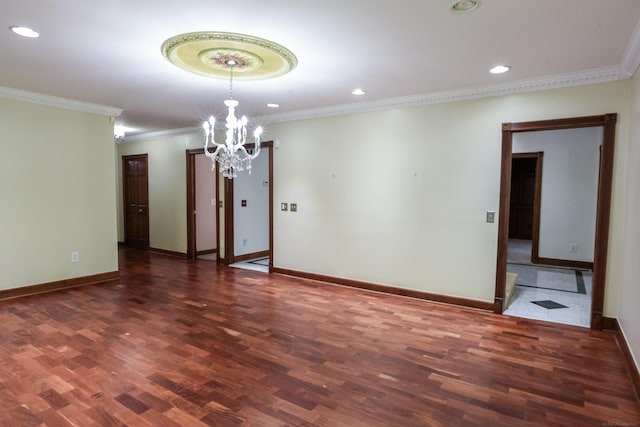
{"x": 578, "y": 305}
{"x": 578, "y": 311}
{"x": 261, "y": 264}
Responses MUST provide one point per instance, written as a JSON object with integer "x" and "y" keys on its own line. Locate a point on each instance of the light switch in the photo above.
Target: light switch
{"x": 491, "y": 216}
{"x": 283, "y": 207}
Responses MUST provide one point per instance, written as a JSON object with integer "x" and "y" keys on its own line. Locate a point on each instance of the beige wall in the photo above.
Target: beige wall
{"x": 629, "y": 315}
{"x": 57, "y": 178}
{"x": 398, "y": 196}
{"x": 167, "y": 188}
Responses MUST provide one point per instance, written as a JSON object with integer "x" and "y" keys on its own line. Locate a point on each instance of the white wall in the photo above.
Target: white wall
{"x": 629, "y": 317}
{"x": 206, "y": 204}
{"x": 57, "y": 178}
{"x": 569, "y": 189}
{"x": 251, "y": 223}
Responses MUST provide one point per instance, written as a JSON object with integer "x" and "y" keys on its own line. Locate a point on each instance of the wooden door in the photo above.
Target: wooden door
{"x": 136, "y": 201}
{"x": 521, "y": 210}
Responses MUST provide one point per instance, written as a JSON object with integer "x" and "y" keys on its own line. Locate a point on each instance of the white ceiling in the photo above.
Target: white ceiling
{"x": 108, "y": 52}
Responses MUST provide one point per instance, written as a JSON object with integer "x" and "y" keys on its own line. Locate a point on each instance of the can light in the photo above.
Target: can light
{"x": 358, "y": 92}
{"x": 499, "y": 69}
{"x": 25, "y": 32}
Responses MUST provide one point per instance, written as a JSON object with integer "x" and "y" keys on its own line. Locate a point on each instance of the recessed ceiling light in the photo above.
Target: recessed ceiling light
{"x": 273, "y": 105}
{"x": 358, "y": 92}
{"x": 499, "y": 69}
{"x": 24, "y": 32}
{"x": 464, "y": 6}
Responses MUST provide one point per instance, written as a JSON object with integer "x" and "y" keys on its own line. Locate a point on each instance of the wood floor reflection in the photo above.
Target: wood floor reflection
{"x": 191, "y": 343}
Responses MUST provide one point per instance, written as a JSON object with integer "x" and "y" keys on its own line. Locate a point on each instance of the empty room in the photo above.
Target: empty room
{"x": 372, "y": 213}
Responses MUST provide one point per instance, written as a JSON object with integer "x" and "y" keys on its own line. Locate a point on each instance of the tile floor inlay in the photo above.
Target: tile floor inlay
{"x": 548, "y": 304}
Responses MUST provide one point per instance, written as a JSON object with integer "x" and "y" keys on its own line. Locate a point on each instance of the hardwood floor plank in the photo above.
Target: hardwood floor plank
{"x": 181, "y": 343}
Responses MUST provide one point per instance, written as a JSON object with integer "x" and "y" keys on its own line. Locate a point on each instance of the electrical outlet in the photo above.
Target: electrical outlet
{"x": 294, "y": 207}
{"x": 245, "y": 242}
{"x": 573, "y": 247}
{"x": 75, "y": 256}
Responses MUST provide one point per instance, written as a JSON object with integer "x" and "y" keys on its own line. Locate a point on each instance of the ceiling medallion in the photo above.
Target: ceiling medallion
{"x": 208, "y": 54}
{"x": 464, "y": 6}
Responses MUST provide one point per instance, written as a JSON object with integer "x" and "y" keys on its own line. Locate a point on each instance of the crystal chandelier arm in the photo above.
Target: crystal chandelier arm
{"x": 256, "y": 136}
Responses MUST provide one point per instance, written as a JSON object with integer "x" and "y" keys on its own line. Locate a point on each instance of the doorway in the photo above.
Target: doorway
{"x": 135, "y": 180}
{"x": 261, "y": 259}
{"x": 203, "y": 225}
{"x": 604, "y": 185}
{"x": 249, "y": 215}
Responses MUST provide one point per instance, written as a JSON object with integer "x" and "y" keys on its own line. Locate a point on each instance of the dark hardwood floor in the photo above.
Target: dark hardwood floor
{"x": 190, "y": 343}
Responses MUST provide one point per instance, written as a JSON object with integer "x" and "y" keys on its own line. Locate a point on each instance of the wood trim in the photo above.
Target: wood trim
{"x": 229, "y": 247}
{"x": 612, "y": 324}
{"x": 253, "y": 255}
{"x": 168, "y": 252}
{"x": 207, "y": 252}
{"x": 581, "y": 265}
{"x": 444, "y": 299}
{"x": 271, "y": 153}
{"x": 191, "y": 203}
{"x": 603, "y": 214}
{"x": 558, "y": 124}
{"x": 503, "y": 219}
{"x": 59, "y": 285}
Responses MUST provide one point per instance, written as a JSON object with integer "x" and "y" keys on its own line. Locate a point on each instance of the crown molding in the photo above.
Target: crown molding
{"x": 598, "y": 75}
{"x": 54, "y": 101}
{"x": 161, "y": 133}
{"x": 631, "y": 59}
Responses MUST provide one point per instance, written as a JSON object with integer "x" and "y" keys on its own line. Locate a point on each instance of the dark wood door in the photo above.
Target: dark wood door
{"x": 523, "y": 184}
{"x": 136, "y": 201}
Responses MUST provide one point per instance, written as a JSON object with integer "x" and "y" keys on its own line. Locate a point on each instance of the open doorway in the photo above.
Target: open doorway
{"x": 203, "y": 225}
{"x": 249, "y": 215}
{"x": 554, "y": 284}
{"x": 524, "y": 207}
{"x": 604, "y": 172}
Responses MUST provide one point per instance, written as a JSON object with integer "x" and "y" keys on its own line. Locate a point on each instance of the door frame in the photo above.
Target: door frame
{"x": 603, "y": 209}
{"x": 537, "y": 198}
{"x": 192, "y": 247}
{"x": 125, "y": 194}
{"x": 229, "y": 230}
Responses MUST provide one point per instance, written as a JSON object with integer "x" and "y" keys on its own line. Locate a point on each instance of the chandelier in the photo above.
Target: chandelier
{"x": 232, "y": 155}
{"x": 219, "y": 54}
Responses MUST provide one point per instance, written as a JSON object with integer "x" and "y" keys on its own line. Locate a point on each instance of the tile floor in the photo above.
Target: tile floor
{"x": 578, "y": 304}
{"x": 259, "y": 264}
